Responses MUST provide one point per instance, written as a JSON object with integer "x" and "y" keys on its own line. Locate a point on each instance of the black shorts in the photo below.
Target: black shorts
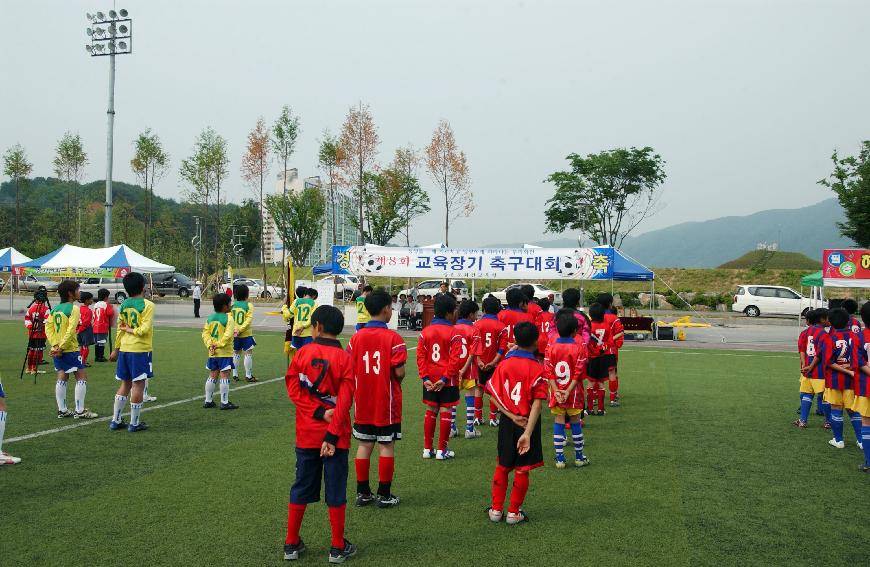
{"x": 508, "y": 456}
{"x": 36, "y": 344}
{"x": 86, "y": 337}
{"x": 372, "y": 433}
{"x": 446, "y": 397}
{"x": 311, "y": 468}
{"x": 483, "y": 376}
{"x": 599, "y": 367}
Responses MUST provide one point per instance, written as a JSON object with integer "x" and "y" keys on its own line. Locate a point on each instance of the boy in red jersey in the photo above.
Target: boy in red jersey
{"x": 516, "y": 312}
{"x": 492, "y": 333}
{"x": 571, "y": 300}
{"x": 818, "y": 353}
{"x": 851, "y": 307}
{"x": 103, "y": 315}
{"x": 470, "y": 350}
{"x": 844, "y": 364}
{"x": 532, "y": 305}
{"x": 438, "y": 363}
{"x": 600, "y": 358}
{"x": 320, "y": 383}
{"x": 808, "y": 387}
{"x": 85, "y": 329}
{"x": 862, "y": 388}
{"x": 564, "y": 367}
{"x": 379, "y": 357}
{"x": 34, "y": 321}
{"x": 544, "y": 321}
{"x": 616, "y": 328}
{"x": 518, "y": 387}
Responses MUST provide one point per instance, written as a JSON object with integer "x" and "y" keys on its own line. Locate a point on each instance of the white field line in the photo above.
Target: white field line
{"x": 709, "y": 352}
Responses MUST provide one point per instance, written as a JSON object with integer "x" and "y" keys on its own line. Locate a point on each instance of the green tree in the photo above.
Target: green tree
{"x": 249, "y": 215}
{"x": 381, "y": 197}
{"x": 255, "y": 167}
{"x": 298, "y": 220}
{"x": 69, "y": 164}
{"x": 414, "y": 201}
{"x": 16, "y": 166}
{"x": 150, "y": 162}
{"x": 329, "y": 158}
{"x": 850, "y": 180}
{"x": 606, "y": 195}
{"x": 359, "y": 146}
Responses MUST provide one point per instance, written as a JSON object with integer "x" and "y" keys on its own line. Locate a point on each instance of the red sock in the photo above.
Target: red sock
{"x": 493, "y": 410}
{"x": 429, "y": 428}
{"x": 444, "y": 430}
{"x": 362, "y": 475}
{"x": 499, "y": 487}
{"x": 31, "y": 360}
{"x": 614, "y": 388}
{"x": 336, "y": 521}
{"x": 38, "y": 358}
{"x": 600, "y": 393}
{"x": 518, "y": 492}
{"x": 294, "y": 521}
{"x": 590, "y": 399}
{"x": 478, "y": 407}
{"x": 84, "y": 351}
{"x": 386, "y": 468}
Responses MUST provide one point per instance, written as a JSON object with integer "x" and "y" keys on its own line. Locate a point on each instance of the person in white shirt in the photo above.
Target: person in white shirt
{"x": 197, "y": 298}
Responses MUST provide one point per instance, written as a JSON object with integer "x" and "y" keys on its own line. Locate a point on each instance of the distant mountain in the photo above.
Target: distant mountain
{"x": 708, "y": 244}
{"x": 775, "y": 260}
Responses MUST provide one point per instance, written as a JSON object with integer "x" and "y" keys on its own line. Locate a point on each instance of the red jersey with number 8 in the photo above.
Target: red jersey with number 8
{"x": 376, "y": 351}
{"x": 438, "y": 352}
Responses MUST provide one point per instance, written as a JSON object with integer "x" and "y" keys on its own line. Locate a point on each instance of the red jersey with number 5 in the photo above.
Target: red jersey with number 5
{"x": 492, "y": 337}
{"x": 517, "y": 382}
{"x": 601, "y": 339}
{"x": 321, "y": 378}
{"x": 438, "y": 352}
{"x": 565, "y": 362}
{"x": 376, "y": 351}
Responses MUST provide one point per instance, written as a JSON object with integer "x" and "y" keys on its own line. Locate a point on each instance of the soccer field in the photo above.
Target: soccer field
{"x": 700, "y": 466}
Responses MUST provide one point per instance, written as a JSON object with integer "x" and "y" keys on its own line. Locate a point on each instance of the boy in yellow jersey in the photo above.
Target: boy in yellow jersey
{"x": 242, "y": 314}
{"x": 302, "y": 310}
{"x": 62, "y": 340}
{"x": 362, "y": 315}
{"x": 217, "y": 335}
{"x": 133, "y": 352}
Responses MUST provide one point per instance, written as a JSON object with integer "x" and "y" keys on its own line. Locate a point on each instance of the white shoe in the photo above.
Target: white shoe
{"x": 444, "y": 455}
{"x": 454, "y": 433}
{"x": 837, "y": 444}
{"x": 7, "y": 459}
{"x": 518, "y": 518}
{"x": 493, "y": 423}
{"x": 494, "y": 515}
{"x": 473, "y": 434}
{"x": 149, "y": 399}
{"x": 860, "y": 445}
{"x": 428, "y": 453}
{"x": 86, "y": 414}
{"x": 477, "y": 422}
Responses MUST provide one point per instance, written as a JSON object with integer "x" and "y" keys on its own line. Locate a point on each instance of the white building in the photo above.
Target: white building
{"x": 346, "y": 234}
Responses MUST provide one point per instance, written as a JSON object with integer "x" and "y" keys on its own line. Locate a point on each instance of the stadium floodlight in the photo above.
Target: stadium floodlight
{"x": 124, "y": 13}
{"x": 122, "y": 45}
{"x": 113, "y": 15}
{"x": 101, "y": 16}
{"x": 98, "y": 47}
{"x": 90, "y": 31}
{"x": 123, "y": 29}
{"x": 111, "y": 46}
{"x": 90, "y": 17}
{"x": 99, "y": 32}
{"x": 89, "y": 48}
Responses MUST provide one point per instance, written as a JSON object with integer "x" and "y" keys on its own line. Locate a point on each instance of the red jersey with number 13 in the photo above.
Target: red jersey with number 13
{"x": 376, "y": 351}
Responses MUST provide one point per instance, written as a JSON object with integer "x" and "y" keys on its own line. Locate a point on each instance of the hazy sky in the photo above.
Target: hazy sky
{"x": 745, "y": 99}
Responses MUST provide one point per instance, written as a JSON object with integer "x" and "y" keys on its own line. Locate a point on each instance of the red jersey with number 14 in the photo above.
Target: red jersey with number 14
{"x": 438, "y": 352}
{"x": 376, "y": 351}
{"x": 517, "y": 382}
{"x": 565, "y": 362}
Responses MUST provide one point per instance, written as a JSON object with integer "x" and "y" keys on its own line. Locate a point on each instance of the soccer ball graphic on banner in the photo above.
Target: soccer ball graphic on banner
{"x": 365, "y": 263}
{"x": 578, "y": 264}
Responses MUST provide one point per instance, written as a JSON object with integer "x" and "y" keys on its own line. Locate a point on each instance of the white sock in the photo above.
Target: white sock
{"x": 80, "y": 391}
{"x": 225, "y": 390}
{"x": 134, "y": 413}
{"x": 145, "y": 391}
{"x": 120, "y": 402}
{"x": 2, "y": 427}
{"x": 236, "y": 360}
{"x": 209, "y": 389}
{"x": 60, "y": 395}
{"x": 249, "y": 364}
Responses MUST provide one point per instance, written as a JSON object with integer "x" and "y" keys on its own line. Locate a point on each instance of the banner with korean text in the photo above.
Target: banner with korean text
{"x": 846, "y": 267}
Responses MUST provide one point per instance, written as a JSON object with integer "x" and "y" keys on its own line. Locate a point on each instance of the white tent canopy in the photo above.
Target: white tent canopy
{"x": 118, "y": 258}
{"x": 10, "y": 257}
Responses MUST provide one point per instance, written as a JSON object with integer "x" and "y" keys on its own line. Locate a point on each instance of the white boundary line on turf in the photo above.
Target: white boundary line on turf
{"x": 107, "y": 419}
{"x": 710, "y": 352}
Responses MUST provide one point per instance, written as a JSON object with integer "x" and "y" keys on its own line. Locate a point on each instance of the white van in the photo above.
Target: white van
{"x": 755, "y": 300}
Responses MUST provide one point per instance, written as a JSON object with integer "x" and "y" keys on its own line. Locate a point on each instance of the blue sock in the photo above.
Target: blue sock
{"x": 837, "y": 424}
{"x": 826, "y": 408}
{"x": 453, "y": 418}
{"x": 559, "y": 441}
{"x": 820, "y": 399}
{"x": 856, "y": 423}
{"x": 865, "y": 440}
{"x": 577, "y": 438}
{"x": 469, "y": 412}
{"x": 806, "y": 406}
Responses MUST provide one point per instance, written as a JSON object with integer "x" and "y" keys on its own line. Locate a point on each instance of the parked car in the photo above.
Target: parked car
{"x": 345, "y": 285}
{"x": 541, "y": 291}
{"x": 114, "y": 285}
{"x": 429, "y": 288}
{"x": 32, "y": 283}
{"x": 257, "y": 289}
{"x": 172, "y": 283}
{"x": 755, "y": 300}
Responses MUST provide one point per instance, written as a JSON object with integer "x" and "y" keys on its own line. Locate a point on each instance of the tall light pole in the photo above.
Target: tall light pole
{"x": 110, "y": 35}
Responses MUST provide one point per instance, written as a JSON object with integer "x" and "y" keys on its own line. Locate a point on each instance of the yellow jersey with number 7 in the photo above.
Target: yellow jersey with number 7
{"x": 137, "y": 313}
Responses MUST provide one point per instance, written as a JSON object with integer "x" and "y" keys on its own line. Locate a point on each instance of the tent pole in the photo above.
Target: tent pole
{"x": 652, "y": 304}
{"x": 9, "y": 283}
{"x": 472, "y": 290}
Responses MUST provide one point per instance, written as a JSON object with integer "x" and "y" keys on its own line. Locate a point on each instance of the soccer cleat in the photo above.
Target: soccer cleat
{"x": 601, "y": 412}
{"x": 229, "y": 406}
{"x": 7, "y": 459}
{"x": 799, "y": 423}
{"x": 235, "y": 378}
{"x": 364, "y": 499}
{"x": 390, "y": 501}
{"x": 478, "y": 422}
{"x": 837, "y": 444}
{"x": 560, "y": 464}
{"x": 827, "y": 425}
{"x": 250, "y": 379}
{"x": 518, "y": 518}
{"x": 454, "y": 433}
{"x": 444, "y": 455}
{"x": 860, "y": 445}
{"x": 428, "y": 453}
{"x": 149, "y": 399}
{"x": 493, "y": 423}
{"x": 818, "y": 412}
{"x": 864, "y": 468}
{"x": 337, "y": 555}
{"x": 494, "y": 515}
{"x": 63, "y": 414}
{"x": 581, "y": 462}
{"x": 86, "y": 414}
{"x": 209, "y": 405}
{"x": 293, "y": 551}
{"x": 614, "y": 404}
{"x": 134, "y": 428}
{"x": 473, "y": 434}
{"x": 116, "y": 425}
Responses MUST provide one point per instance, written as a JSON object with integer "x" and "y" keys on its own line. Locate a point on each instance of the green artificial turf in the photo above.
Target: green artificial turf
{"x": 700, "y": 466}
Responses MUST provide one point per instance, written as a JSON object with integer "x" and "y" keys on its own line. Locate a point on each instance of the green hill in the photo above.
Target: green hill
{"x": 766, "y": 259}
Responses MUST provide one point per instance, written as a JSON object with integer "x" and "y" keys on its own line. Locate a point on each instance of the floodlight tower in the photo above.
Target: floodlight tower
{"x": 110, "y": 35}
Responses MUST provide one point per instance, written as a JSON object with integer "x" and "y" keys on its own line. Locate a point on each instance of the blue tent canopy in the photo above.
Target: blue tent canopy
{"x": 322, "y": 269}
{"x": 626, "y": 269}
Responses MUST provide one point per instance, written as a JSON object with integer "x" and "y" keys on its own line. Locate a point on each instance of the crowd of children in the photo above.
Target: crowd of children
{"x": 834, "y": 353}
